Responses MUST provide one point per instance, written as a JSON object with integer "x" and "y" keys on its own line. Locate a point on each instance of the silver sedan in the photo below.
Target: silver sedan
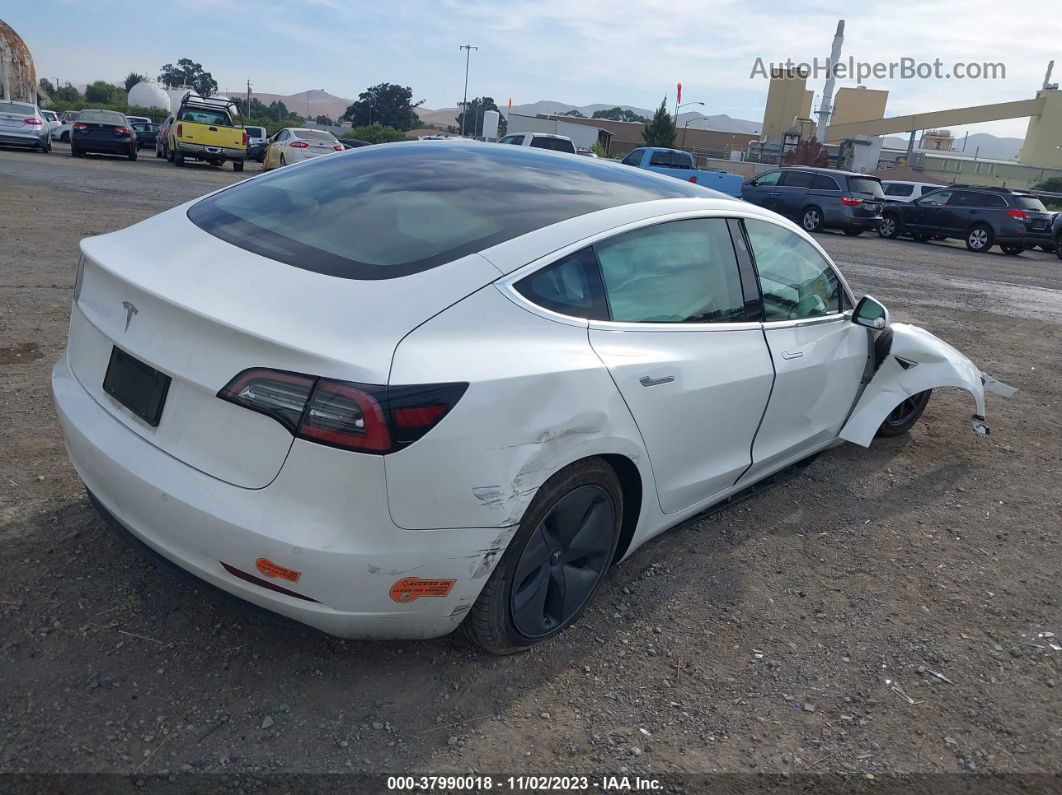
{"x": 21, "y": 124}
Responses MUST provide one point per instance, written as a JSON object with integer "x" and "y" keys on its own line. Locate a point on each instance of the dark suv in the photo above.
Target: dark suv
{"x": 983, "y": 217}
{"x": 819, "y": 198}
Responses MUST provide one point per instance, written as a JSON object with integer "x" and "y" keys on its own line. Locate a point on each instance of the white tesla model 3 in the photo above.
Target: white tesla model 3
{"x": 410, "y": 387}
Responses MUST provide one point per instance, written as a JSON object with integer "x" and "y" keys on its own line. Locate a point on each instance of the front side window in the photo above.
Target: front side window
{"x": 796, "y": 280}
{"x": 768, "y": 179}
{"x": 633, "y": 158}
{"x": 935, "y": 199}
{"x": 677, "y": 272}
{"x": 571, "y": 286}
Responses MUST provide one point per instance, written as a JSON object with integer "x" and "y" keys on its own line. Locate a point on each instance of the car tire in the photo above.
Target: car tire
{"x": 132, "y": 155}
{"x": 853, "y": 232}
{"x": 1058, "y": 249}
{"x": 178, "y": 158}
{"x": 1011, "y": 250}
{"x": 65, "y": 138}
{"x": 889, "y": 227}
{"x": 904, "y": 416}
{"x": 979, "y": 238}
{"x": 237, "y": 165}
{"x": 583, "y": 500}
{"x": 811, "y": 219}
{"x": 74, "y": 151}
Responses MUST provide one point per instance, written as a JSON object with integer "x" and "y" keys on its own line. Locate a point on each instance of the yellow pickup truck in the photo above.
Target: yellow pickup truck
{"x": 207, "y": 129}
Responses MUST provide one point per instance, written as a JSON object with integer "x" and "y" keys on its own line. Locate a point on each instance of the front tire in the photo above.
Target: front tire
{"x": 554, "y": 564}
{"x": 811, "y": 219}
{"x": 237, "y": 165}
{"x": 904, "y": 416}
{"x": 890, "y": 227}
{"x": 979, "y": 239}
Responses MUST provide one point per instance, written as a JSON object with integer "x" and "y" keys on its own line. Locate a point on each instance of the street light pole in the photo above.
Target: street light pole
{"x": 464, "y": 102}
{"x": 687, "y": 124}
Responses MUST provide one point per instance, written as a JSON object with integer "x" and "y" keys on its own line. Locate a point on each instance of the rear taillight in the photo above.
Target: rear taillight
{"x": 80, "y": 126}
{"x": 693, "y": 180}
{"x": 849, "y": 201}
{"x": 33, "y": 122}
{"x": 1021, "y": 215}
{"x": 298, "y": 144}
{"x": 360, "y": 417}
{"x": 245, "y": 139}
{"x": 180, "y": 130}
{"x": 122, "y": 131}
{"x": 338, "y": 147}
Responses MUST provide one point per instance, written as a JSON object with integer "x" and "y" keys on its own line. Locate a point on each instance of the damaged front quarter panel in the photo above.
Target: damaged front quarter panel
{"x": 916, "y": 362}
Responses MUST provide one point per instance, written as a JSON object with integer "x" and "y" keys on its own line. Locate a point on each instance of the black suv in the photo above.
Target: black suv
{"x": 983, "y": 217}
{"x": 819, "y": 198}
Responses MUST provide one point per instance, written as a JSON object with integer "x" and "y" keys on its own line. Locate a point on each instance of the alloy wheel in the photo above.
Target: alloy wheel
{"x": 562, "y": 561}
{"x": 811, "y": 220}
{"x": 888, "y": 226}
{"x": 910, "y": 407}
{"x": 978, "y": 239}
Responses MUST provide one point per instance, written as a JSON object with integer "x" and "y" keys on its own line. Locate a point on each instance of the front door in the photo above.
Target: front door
{"x": 694, "y": 373}
{"x": 819, "y": 355}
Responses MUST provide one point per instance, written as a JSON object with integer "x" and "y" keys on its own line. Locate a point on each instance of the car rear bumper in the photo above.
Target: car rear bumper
{"x": 117, "y": 147}
{"x": 204, "y": 152}
{"x": 300, "y": 547}
{"x": 23, "y": 139}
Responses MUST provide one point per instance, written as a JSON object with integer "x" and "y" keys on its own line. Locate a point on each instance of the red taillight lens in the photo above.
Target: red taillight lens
{"x": 298, "y": 144}
{"x": 34, "y": 122}
{"x": 360, "y": 417}
{"x": 80, "y": 126}
{"x": 849, "y": 201}
{"x": 338, "y": 147}
{"x": 180, "y": 130}
{"x": 693, "y": 180}
{"x": 1021, "y": 215}
{"x": 245, "y": 139}
{"x": 122, "y": 131}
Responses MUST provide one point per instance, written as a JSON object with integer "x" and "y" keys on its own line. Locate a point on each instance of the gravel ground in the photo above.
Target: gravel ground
{"x": 884, "y": 610}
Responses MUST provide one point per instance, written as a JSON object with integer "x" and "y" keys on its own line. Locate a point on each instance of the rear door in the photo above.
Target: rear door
{"x": 818, "y": 354}
{"x": 695, "y": 374}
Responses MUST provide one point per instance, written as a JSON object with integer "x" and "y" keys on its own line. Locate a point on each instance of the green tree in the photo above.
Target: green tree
{"x": 375, "y": 134}
{"x": 322, "y": 119}
{"x": 475, "y": 109}
{"x": 575, "y": 114}
{"x": 660, "y": 131}
{"x": 45, "y": 87}
{"x": 618, "y": 114}
{"x": 132, "y": 79}
{"x": 188, "y": 73}
{"x": 67, "y": 93}
{"x": 1051, "y": 185}
{"x": 101, "y": 92}
{"x": 385, "y": 104}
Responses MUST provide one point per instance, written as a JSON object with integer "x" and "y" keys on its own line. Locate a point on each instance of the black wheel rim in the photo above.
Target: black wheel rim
{"x": 562, "y": 561}
{"x": 908, "y": 409}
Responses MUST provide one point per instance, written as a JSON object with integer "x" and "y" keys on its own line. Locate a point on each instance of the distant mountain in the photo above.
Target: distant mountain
{"x": 979, "y": 144}
{"x": 312, "y": 103}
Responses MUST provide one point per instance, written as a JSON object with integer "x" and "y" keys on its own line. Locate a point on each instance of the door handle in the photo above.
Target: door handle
{"x": 213, "y": 129}
{"x": 792, "y": 354}
{"x": 647, "y": 381}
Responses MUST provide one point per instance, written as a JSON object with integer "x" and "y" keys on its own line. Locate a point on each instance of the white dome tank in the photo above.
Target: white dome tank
{"x": 149, "y": 94}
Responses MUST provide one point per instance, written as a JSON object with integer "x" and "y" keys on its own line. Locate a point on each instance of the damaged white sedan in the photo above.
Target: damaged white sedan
{"x": 412, "y": 387}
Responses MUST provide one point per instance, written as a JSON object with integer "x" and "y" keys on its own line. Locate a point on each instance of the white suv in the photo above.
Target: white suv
{"x": 556, "y": 143}
{"x": 897, "y": 190}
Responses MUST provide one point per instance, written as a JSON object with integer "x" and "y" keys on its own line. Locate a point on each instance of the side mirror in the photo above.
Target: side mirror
{"x": 869, "y": 313}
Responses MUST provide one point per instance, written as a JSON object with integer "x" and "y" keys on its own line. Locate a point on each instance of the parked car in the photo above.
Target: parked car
{"x": 679, "y": 164}
{"x": 139, "y": 120}
{"x": 819, "y": 198}
{"x": 257, "y": 141}
{"x": 461, "y": 380}
{"x": 980, "y": 216}
{"x": 582, "y": 150}
{"x": 1056, "y": 234}
{"x": 294, "y": 144}
{"x": 146, "y": 133}
{"x": 103, "y": 132}
{"x": 162, "y": 149}
{"x": 555, "y": 143}
{"x": 66, "y": 123}
{"x": 51, "y": 120}
{"x": 353, "y": 143}
{"x": 898, "y": 190}
{"x": 209, "y": 130}
{"x": 21, "y": 124}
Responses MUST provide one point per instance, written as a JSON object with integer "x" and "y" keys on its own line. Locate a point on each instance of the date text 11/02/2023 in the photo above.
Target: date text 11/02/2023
{"x": 530, "y": 783}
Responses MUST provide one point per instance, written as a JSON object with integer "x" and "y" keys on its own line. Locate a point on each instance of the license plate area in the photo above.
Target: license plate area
{"x": 137, "y": 386}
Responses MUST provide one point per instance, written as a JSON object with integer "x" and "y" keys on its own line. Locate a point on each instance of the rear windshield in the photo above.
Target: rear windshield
{"x": 899, "y": 189}
{"x": 314, "y": 135}
{"x": 1027, "y": 202}
{"x": 102, "y": 117}
{"x": 256, "y": 132}
{"x": 866, "y": 185}
{"x": 380, "y": 212}
{"x": 218, "y": 118}
{"x": 554, "y": 144}
{"x": 18, "y": 107}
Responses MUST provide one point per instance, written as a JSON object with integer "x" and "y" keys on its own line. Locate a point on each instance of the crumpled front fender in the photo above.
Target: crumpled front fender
{"x": 916, "y": 362}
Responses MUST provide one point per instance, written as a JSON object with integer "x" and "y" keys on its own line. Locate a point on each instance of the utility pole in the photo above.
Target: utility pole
{"x": 464, "y": 102}
{"x": 248, "y": 100}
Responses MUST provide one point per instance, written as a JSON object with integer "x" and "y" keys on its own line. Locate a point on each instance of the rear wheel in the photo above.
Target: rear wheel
{"x": 1011, "y": 250}
{"x": 811, "y": 219}
{"x": 237, "y": 165}
{"x": 132, "y": 155}
{"x": 979, "y": 238}
{"x": 555, "y": 563}
{"x": 905, "y": 415}
{"x": 890, "y": 227}
{"x": 74, "y": 151}
{"x": 178, "y": 158}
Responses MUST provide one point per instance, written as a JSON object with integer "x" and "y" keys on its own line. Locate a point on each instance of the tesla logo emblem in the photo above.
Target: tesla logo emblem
{"x": 130, "y": 310}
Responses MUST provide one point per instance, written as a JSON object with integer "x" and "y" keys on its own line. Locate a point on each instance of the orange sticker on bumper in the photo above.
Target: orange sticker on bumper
{"x": 411, "y": 588}
{"x": 271, "y": 569}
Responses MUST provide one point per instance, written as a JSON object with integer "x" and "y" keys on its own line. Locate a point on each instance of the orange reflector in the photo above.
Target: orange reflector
{"x": 411, "y": 588}
{"x": 271, "y": 569}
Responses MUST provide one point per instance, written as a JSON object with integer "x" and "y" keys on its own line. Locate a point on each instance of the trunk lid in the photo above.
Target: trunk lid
{"x": 203, "y": 310}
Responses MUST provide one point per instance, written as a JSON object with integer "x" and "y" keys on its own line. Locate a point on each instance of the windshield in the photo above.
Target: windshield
{"x": 553, "y": 144}
{"x": 385, "y": 211}
{"x": 866, "y": 185}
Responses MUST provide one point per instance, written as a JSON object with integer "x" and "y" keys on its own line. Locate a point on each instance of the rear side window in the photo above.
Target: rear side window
{"x": 678, "y": 272}
{"x": 899, "y": 189}
{"x": 866, "y": 186}
{"x": 571, "y": 286}
{"x": 553, "y": 144}
{"x": 385, "y": 211}
{"x": 795, "y": 280}
{"x": 822, "y": 182}
{"x": 671, "y": 159}
{"x": 796, "y": 179}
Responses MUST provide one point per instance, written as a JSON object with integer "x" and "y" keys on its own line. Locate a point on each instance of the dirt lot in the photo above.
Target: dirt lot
{"x": 885, "y": 610}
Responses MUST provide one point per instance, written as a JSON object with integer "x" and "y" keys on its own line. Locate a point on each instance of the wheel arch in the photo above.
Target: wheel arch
{"x": 631, "y": 482}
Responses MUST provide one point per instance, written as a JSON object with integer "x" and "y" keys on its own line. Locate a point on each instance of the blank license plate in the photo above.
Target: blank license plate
{"x": 137, "y": 386}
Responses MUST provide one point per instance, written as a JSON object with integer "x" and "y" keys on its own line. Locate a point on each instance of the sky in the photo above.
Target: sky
{"x": 623, "y": 52}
